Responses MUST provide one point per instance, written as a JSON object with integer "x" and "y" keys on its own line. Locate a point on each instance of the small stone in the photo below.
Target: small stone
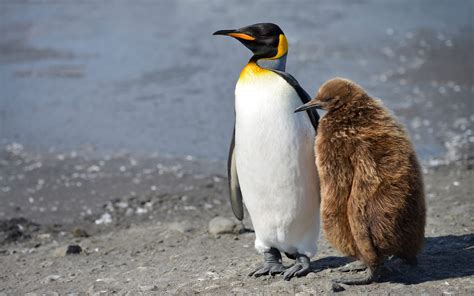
{"x": 141, "y": 211}
{"x": 60, "y": 252}
{"x": 73, "y": 250}
{"x": 104, "y": 219}
{"x": 336, "y": 287}
{"x": 50, "y": 278}
{"x": 129, "y": 212}
{"x": 221, "y": 225}
{"x": 79, "y": 232}
{"x": 106, "y": 280}
{"x": 148, "y": 288}
{"x": 67, "y": 250}
{"x": 44, "y": 236}
{"x": 121, "y": 204}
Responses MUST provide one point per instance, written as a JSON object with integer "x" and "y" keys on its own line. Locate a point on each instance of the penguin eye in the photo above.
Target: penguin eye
{"x": 329, "y": 99}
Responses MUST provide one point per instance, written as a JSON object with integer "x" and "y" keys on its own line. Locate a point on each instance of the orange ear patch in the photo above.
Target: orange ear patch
{"x": 282, "y": 47}
{"x": 242, "y": 36}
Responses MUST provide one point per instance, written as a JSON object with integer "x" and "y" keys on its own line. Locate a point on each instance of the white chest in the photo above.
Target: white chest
{"x": 275, "y": 163}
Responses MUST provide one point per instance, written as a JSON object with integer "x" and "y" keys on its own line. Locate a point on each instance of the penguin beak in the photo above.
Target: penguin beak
{"x": 235, "y": 33}
{"x": 310, "y": 105}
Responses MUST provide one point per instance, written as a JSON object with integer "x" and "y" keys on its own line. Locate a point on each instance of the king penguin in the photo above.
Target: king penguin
{"x": 271, "y": 164}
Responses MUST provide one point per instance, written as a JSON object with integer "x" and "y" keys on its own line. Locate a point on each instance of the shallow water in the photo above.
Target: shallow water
{"x": 149, "y": 76}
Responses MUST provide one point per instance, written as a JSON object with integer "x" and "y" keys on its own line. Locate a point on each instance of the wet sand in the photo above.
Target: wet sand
{"x": 150, "y": 77}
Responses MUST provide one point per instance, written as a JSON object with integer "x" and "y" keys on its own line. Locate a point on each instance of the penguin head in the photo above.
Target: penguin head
{"x": 265, "y": 40}
{"x": 333, "y": 94}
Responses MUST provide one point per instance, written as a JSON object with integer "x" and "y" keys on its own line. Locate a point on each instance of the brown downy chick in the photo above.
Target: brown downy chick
{"x": 373, "y": 203}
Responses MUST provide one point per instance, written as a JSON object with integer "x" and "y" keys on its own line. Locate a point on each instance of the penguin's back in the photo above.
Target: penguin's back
{"x": 275, "y": 162}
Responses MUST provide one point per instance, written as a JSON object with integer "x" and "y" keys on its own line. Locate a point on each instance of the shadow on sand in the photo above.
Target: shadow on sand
{"x": 444, "y": 257}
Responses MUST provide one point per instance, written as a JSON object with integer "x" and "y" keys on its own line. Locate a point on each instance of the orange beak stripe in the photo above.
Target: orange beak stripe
{"x": 242, "y": 36}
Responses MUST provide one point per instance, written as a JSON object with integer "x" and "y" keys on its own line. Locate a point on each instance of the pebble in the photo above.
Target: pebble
{"x": 79, "y": 232}
{"x": 44, "y": 236}
{"x": 60, "y": 252}
{"x": 67, "y": 250}
{"x": 104, "y": 219}
{"x": 106, "y": 280}
{"x": 335, "y": 287}
{"x": 141, "y": 211}
{"x": 73, "y": 250}
{"x": 221, "y": 225}
{"x": 50, "y": 278}
{"x": 148, "y": 288}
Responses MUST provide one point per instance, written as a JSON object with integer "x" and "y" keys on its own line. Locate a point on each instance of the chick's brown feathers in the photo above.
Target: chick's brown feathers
{"x": 371, "y": 185}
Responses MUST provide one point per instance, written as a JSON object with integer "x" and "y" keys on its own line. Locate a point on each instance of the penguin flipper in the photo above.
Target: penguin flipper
{"x": 304, "y": 96}
{"x": 234, "y": 186}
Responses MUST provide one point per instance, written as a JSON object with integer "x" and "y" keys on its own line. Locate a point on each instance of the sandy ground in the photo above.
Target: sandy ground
{"x": 158, "y": 242}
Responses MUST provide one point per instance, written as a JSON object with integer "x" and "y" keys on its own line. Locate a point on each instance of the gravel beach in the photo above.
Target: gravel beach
{"x": 146, "y": 230}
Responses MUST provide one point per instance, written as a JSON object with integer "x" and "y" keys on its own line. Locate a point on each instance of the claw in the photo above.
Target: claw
{"x": 271, "y": 266}
{"x": 277, "y": 269}
{"x": 268, "y": 269}
{"x": 352, "y": 267}
{"x": 371, "y": 276}
{"x": 299, "y": 269}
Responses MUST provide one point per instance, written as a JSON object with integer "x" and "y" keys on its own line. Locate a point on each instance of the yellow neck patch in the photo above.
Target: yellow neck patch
{"x": 252, "y": 71}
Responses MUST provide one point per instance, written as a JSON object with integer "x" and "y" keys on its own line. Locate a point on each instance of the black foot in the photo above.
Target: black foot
{"x": 397, "y": 264}
{"x": 271, "y": 265}
{"x": 371, "y": 276}
{"x": 300, "y": 268}
{"x": 355, "y": 266}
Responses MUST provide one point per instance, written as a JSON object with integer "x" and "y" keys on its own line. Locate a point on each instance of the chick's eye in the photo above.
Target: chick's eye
{"x": 329, "y": 99}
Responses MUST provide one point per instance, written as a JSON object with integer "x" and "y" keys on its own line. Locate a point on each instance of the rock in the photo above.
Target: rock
{"x": 106, "y": 280}
{"x": 60, "y": 252}
{"x": 182, "y": 227}
{"x": 221, "y": 225}
{"x": 67, "y": 250}
{"x": 44, "y": 236}
{"x": 148, "y": 288}
{"x": 106, "y": 218}
{"x": 50, "y": 278}
{"x": 335, "y": 287}
{"x": 16, "y": 229}
{"x": 79, "y": 232}
{"x": 73, "y": 250}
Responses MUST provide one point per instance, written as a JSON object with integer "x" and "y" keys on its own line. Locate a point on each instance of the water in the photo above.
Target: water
{"x": 149, "y": 76}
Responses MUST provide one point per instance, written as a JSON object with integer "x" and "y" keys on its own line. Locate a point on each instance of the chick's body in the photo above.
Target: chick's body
{"x": 369, "y": 169}
{"x": 373, "y": 202}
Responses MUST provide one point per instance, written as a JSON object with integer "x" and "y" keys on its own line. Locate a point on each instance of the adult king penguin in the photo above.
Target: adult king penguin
{"x": 271, "y": 159}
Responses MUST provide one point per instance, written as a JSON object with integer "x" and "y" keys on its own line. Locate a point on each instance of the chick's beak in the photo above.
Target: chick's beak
{"x": 234, "y": 33}
{"x": 310, "y": 105}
